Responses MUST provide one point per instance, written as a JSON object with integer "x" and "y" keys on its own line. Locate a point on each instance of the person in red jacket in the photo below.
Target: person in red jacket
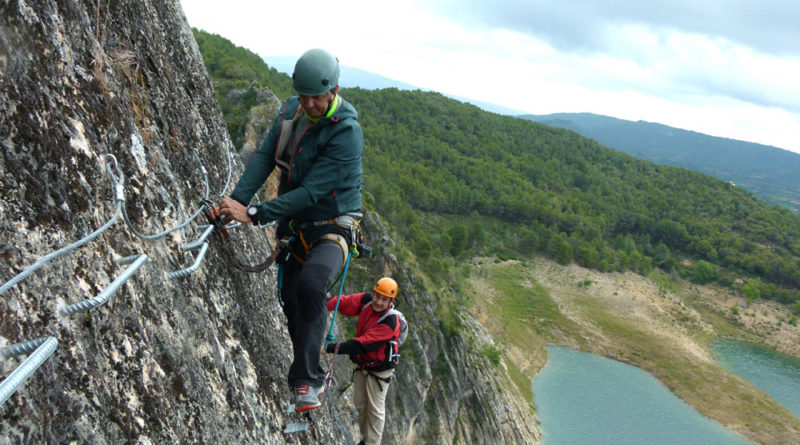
{"x": 373, "y": 350}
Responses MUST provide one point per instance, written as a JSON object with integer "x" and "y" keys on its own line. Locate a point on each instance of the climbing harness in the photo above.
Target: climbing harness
{"x": 381, "y": 380}
{"x": 350, "y": 222}
{"x": 283, "y": 249}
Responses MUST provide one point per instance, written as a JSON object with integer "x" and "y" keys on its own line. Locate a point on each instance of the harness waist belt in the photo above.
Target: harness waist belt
{"x": 345, "y": 220}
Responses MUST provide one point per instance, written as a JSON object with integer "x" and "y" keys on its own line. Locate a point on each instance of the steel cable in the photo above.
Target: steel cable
{"x": 118, "y": 182}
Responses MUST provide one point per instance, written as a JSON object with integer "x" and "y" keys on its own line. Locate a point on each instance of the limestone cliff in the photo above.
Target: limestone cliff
{"x": 199, "y": 359}
{"x": 194, "y": 359}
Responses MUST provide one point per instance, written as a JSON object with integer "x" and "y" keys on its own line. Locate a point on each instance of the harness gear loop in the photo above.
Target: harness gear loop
{"x": 355, "y": 236}
{"x": 338, "y": 239}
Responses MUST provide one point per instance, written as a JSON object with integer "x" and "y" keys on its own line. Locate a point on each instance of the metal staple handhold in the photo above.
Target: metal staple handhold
{"x": 227, "y": 227}
{"x": 22, "y": 348}
{"x": 190, "y": 270}
{"x": 102, "y": 297}
{"x": 45, "y": 348}
{"x": 296, "y": 427}
{"x": 199, "y": 242}
{"x": 128, "y": 259}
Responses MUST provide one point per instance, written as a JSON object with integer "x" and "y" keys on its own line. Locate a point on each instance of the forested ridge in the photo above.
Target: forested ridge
{"x": 565, "y": 195}
{"x": 459, "y": 182}
{"x": 236, "y": 69}
{"x": 769, "y": 172}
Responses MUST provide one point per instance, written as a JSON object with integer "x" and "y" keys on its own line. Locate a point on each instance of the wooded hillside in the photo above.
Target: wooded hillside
{"x": 458, "y": 182}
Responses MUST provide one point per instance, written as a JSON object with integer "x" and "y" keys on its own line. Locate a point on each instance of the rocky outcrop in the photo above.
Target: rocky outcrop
{"x": 258, "y": 122}
{"x": 200, "y": 358}
{"x": 258, "y": 119}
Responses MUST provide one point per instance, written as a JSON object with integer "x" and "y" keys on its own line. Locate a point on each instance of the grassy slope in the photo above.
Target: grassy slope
{"x": 656, "y": 323}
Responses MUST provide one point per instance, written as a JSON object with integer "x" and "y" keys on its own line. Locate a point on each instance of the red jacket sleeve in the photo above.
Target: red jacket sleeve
{"x": 349, "y": 305}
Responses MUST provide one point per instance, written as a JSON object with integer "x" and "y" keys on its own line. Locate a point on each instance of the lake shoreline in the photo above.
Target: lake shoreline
{"x": 664, "y": 326}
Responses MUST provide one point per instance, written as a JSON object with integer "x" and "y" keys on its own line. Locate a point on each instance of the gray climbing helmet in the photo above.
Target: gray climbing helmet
{"x": 315, "y": 72}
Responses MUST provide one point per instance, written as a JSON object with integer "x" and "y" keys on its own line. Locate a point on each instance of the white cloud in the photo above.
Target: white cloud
{"x": 635, "y": 68}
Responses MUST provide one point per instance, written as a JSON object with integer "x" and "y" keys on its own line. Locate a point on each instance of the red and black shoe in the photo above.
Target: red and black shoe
{"x": 306, "y": 398}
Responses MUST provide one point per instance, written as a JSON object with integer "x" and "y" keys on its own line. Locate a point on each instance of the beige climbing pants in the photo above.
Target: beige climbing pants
{"x": 369, "y": 396}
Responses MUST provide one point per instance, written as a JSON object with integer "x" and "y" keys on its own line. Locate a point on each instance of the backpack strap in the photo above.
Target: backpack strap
{"x": 394, "y": 351}
{"x": 288, "y": 121}
{"x": 391, "y": 311}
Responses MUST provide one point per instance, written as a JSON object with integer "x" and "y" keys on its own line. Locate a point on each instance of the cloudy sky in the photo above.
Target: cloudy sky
{"x": 727, "y": 68}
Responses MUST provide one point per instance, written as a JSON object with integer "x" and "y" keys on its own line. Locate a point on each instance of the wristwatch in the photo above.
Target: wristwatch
{"x": 252, "y": 212}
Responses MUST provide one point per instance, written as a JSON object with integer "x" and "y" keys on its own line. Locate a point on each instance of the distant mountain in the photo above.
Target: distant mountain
{"x": 350, "y": 77}
{"x": 768, "y": 172}
{"x": 355, "y": 77}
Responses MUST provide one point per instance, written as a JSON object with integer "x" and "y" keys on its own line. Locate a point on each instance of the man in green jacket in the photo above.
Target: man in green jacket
{"x": 316, "y": 143}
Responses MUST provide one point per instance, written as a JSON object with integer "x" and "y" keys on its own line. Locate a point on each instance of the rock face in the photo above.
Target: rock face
{"x": 259, "y": 119}
{"x": 195, "y": 359}
{"x": 199, "y": 359}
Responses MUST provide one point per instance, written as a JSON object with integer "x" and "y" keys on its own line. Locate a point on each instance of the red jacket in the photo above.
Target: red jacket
{"x": 371, "y": 347}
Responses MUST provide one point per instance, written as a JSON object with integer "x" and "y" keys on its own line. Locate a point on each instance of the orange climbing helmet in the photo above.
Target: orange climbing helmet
{"x": 386, "y": 287}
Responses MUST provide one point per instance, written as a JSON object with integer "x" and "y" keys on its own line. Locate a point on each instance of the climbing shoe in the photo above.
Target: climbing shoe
{"x": 320, "y": 389}
{"x": 306, "y": 398}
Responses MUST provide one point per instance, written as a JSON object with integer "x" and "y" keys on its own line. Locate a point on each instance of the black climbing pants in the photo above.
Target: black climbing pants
{"x": 305, "y": 306}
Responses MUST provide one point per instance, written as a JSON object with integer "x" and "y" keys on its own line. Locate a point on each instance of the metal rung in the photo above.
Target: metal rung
{"x": 103, "y": 297}
{"x": 296, "y": 427}
{"x": 198, "y": 243}
{"x": 190, "y": 270}
{"x": 43, "y": 351}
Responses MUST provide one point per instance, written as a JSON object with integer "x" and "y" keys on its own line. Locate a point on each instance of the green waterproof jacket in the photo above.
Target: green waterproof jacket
{"x": 320, "y": 174}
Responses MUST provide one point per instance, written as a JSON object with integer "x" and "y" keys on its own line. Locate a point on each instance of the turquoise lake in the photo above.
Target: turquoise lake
{"x": 586, "y": 399}
{"x": 776, "y": 374}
